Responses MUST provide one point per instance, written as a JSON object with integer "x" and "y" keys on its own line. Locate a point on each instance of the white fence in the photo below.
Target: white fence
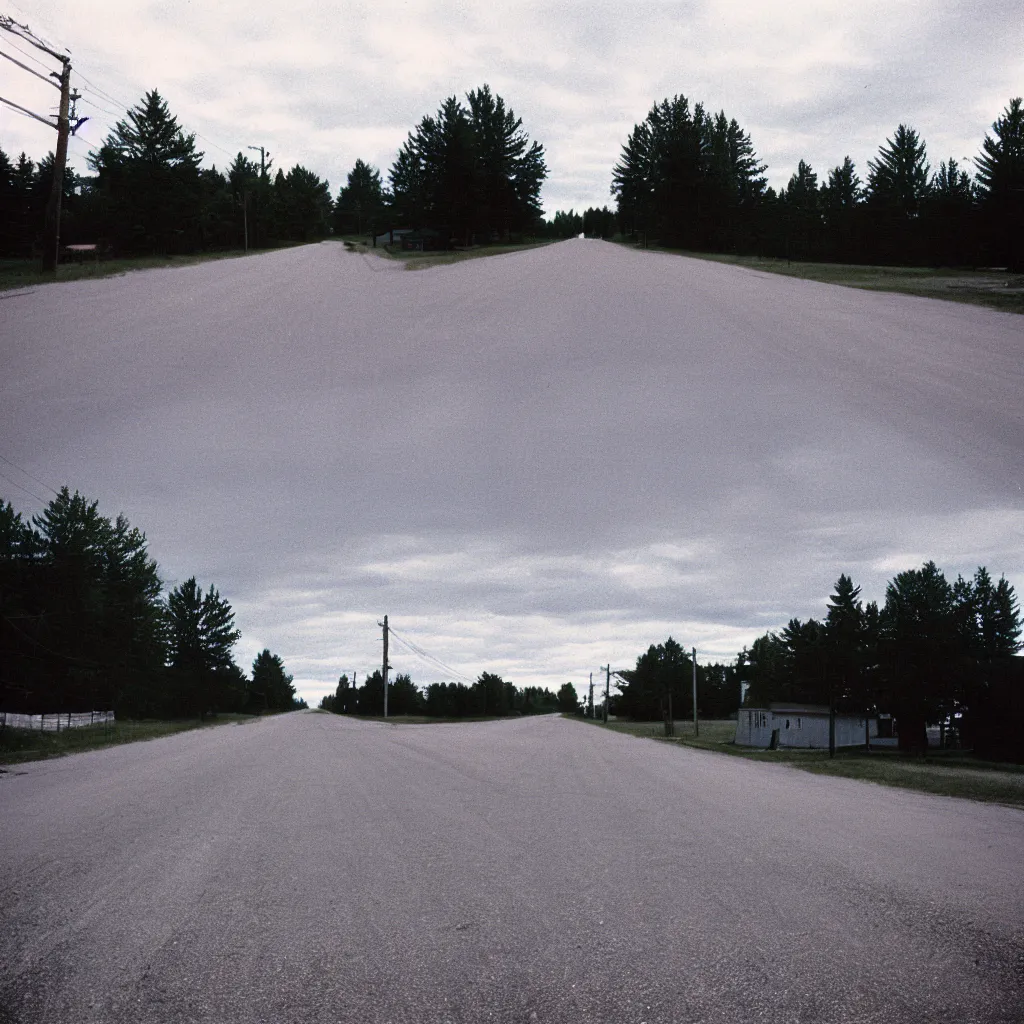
{"x": 55, "y": 722}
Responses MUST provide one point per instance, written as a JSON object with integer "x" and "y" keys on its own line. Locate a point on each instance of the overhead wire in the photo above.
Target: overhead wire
{"x": 42, "y": 483}
{"x": 14, "y": 483}
{"x": 26, "y": 53}
{"x": 427, "y": 656}
{"x": 46, "y": 78}
{"x": 24, "y": 111}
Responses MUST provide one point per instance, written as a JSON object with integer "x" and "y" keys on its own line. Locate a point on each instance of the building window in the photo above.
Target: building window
{"x": 787, "y": 723}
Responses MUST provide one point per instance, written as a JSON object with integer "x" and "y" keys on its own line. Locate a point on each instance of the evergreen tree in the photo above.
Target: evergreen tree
{"x": 403, "y": 696}
{"x": 271, "y": 687}
{"x": 568, "y": 699}
{"x": 949, "y": 215}
{"x": 82, "y": 627}
{"x": 898, "y": 185}
{"x": 688, "y": 179}
{"x": 846, "y": 647}
{"x": 510, "y": 170}
{"x": 840, "y": 208}
{"x": 148, "y": 169}
{"x": 469, "y": 173}
{"x": 1001, "y": 186}
{"x": 922, "y": 651}
{"x": 803, "y": 205}
{"x": 300, "y": 206}
{"x": 201, "y": 634}
{"x": 361, "y": 201}
{"x": 633, "y": 183}
{"x": 662, "y": 672}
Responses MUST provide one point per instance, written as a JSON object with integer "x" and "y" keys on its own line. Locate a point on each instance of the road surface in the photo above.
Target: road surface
{"x": 312, "y": 868}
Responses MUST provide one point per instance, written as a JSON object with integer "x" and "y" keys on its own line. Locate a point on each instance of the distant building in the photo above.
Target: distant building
{"x": 392, "y": 236}
{"x": 803, "y": 725}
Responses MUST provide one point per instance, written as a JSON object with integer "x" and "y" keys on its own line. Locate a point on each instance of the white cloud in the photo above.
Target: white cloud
{"x": 324, "y": 84}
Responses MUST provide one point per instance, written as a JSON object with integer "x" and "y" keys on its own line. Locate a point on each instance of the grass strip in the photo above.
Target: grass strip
{"x": 20, "y": 745}
{"x": 946, "y": 772}
{"x": 25, "y": 273}
{"x": 993, "y": 288}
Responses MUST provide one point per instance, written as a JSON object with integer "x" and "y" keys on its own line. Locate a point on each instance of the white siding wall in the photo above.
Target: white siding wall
{"x": 753, "y": 727}
{"x": 798, "y": 729}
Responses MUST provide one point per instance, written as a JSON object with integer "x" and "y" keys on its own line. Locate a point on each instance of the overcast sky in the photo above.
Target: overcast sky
{"x": 536, "y": 463}
{"x": 322, "y": 84}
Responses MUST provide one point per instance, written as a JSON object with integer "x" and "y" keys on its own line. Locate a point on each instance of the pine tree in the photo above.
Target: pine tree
{"x": 840, "y": 207}
{"x": 803, "y": 206}
{"x": 361, "y": 201}
{"x": 949, "y": 215}
{"x": 922, "y": 650}
{"x": 1001, "y": 185}
{"x": 898, "y": 185}
{"x": 271, "y": 688}
{"x": 149, "y": 170}
{"x": 201, "y": 633}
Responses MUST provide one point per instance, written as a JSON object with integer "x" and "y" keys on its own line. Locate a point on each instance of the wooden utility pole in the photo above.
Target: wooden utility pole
{"x": 607, "y": 689}
{"x": 51, "y": 227}
{"x": 384, "y": 670}
{"x": 592, "y": 715}
{"x": 51, "y": 224}
{"x": 696, "y": 726}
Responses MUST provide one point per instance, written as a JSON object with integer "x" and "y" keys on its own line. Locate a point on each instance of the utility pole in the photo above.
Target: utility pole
{"x": 51, "y": 224}
{"x": 263, "y": 160}
{"x": 592, "y": 715}
{"x": 384, "y": 670}
{"x": 260, "y": 192}
{"x": 696, "y": 726}
{"x": 607, "y": 689}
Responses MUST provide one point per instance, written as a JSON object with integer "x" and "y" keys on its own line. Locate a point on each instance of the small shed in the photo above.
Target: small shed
{"x": 391, "y": 236}
{"x": 800, "y": 725}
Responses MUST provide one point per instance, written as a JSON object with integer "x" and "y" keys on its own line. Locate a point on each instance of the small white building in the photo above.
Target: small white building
{"x": 800, "y": 725}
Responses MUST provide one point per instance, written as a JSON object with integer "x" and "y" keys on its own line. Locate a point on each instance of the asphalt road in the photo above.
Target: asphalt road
{"x": 311, "y": 868}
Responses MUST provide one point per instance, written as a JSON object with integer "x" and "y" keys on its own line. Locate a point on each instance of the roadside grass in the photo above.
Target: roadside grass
{"x": 24, "y": 273}
{"x": 996, "y": 289}
{"x": 424, "y": 261}
{"x": 19, "y": 745}
{"x": 944, "y": 772}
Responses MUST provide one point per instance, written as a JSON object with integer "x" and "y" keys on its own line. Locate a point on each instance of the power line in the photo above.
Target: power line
{"x": 102, "y": 92}
{"x": 42, "y": 483}
{"x": 14, "y": 483}
{"x": 23, "y": 51}
{"x": 28, "y": 113}
{"x": 46, "y": 78}
{"x": 426, "y": 656}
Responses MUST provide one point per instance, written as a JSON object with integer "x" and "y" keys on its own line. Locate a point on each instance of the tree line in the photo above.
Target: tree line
{"x": 149, "y": 194}
{"x": 934, "y": 652}
{"x": 489, "y": 697}
{"x": 85, "y": 624}
{"x": 470, "y": 174}
{"x": 467, "y": 174}
{"x": 690, "y": 179}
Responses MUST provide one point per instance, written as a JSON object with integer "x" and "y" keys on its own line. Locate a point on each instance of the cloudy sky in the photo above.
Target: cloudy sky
{"x": 536, "y": 464}
{"x": 322, "y": 84}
